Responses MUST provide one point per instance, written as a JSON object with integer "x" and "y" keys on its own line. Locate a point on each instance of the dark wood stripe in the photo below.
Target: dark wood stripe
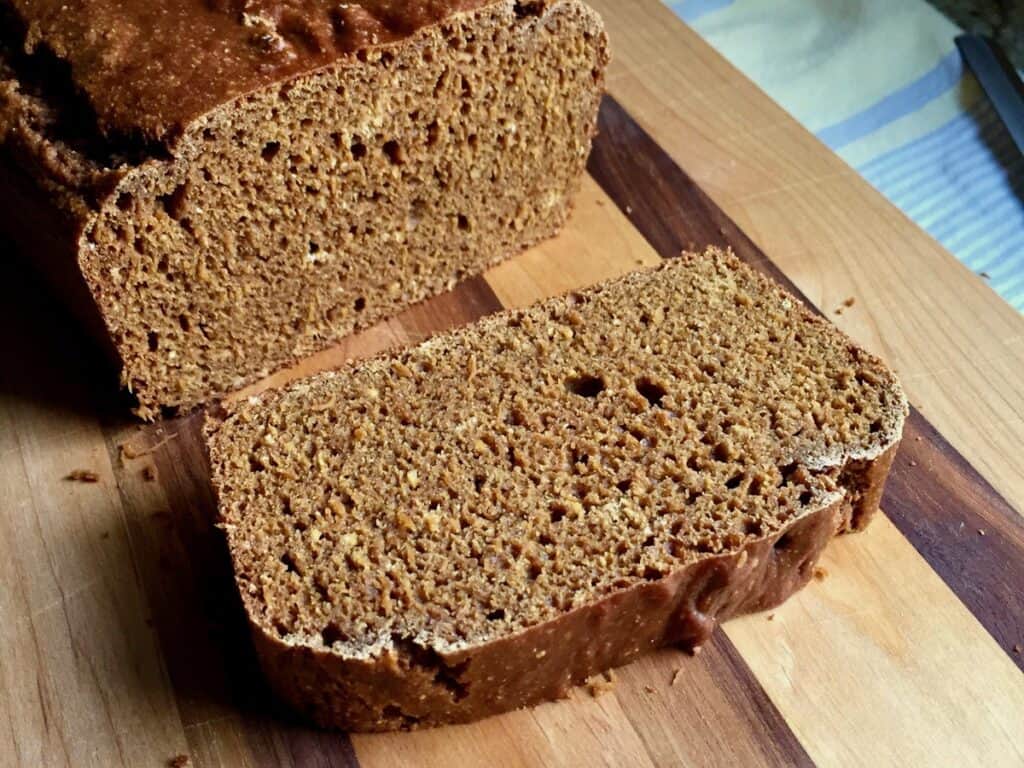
{"x": 467, "y": 302}
{"x": 731, "y": 672}
{"x": 717, "y": 688}
{"x": 968, "y": 533}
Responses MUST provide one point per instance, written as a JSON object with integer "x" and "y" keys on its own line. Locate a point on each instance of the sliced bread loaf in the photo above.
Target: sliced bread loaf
{"x": 223, "y": 187}
{"x": 482, "y": 521}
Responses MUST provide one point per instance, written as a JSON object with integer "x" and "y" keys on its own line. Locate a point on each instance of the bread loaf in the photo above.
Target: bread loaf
{"x": 224, "y": 186}
{"x": 487, "y": 519}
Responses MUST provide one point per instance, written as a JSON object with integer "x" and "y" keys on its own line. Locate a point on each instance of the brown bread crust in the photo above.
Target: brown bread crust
{"x": 159, "y": 64}
{"x": 412, "y": 687}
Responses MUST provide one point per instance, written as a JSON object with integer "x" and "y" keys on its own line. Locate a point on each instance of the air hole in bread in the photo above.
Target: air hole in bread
{"x": 289, "y": 562}
{"x": 394, "y": 152}
{"x": 652, "y": 392}
{"x": 270, "y": 150}
{"x": 433, "y": 133}
{"x": 652, "y": 574}
{"x": 175, "y": 202}
{"x": 332, "y": 634}
{"x": 585, "y": 385}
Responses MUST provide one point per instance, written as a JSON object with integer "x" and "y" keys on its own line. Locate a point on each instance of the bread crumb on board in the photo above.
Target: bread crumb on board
{"x": 649, "y": 689}
{"x": 599, "y": 685}
{"x": 771, "y": 617}
{"x": 180, "y": 761}
{"x": 820, "y": 573}
{"x": 130, "y": 453}
{"x": 847, "y": 303}
{"x": 677, "y": 676}
{"x": 149, "y": 473}
{"x": 82, "y": 476}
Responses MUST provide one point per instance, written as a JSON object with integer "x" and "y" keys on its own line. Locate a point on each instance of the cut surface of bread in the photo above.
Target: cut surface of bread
{"x": 481, "y": 521}
{"x": 257, "y": 215}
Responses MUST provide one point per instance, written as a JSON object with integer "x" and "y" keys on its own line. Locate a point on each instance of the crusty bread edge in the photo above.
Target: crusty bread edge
{"x": 407, "y": 686}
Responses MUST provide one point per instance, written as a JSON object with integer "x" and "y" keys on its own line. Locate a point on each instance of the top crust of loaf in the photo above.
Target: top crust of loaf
{"x": 494, "y": 478}
{"x": 149, "y": 67}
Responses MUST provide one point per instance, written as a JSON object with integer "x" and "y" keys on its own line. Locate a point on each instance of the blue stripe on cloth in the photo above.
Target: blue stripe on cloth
{"x": 964, "y": 183}
{"x": 941, "y": 78}
{"x": 691, "y": 10}
{"x": 891, "y": 170}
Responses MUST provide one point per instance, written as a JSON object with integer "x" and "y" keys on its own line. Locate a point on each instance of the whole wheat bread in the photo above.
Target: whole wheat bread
{"x": 224, "y": 187}
{"x": 487, "y": 519}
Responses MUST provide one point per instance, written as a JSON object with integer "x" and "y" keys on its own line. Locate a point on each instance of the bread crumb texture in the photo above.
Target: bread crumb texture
{"x": 496, "y": 477}
{"x": 291, "y": 216}
{"x": 603, "y": 683}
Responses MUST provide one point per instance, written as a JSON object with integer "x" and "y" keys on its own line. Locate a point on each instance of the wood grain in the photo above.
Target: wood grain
{"x": 82, "y": 681}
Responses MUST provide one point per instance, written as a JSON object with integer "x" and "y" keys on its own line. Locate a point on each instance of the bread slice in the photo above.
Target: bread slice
{"x": 227, "y": 187}
{"x": 484, "y": 520}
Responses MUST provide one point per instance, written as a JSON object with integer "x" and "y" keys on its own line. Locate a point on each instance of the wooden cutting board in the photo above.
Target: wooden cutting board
{"x": 121, "y": 641}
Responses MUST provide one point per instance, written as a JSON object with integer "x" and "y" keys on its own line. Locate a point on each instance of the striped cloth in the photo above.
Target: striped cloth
{"x": 882, "y": 84}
